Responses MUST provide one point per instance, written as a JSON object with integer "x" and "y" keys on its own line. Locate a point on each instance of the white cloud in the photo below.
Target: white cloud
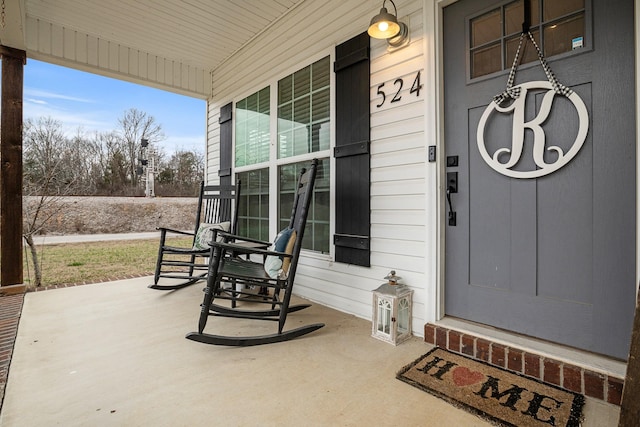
{"x": 38, "y": 93}
{"x": 36, "y": 101}
{"x": 71, "y": 120}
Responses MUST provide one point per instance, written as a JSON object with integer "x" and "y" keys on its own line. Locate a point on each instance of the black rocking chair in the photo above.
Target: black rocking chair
{"x": 276, "y": 271}
{"x": 217, "y": 212}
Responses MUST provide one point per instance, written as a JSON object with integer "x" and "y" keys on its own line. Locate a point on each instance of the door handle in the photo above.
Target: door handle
{"x": 452, "y": 187}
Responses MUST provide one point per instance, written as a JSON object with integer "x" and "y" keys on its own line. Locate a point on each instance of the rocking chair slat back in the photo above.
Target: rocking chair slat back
{"x": 300, "y": 212}
{"x": 216, "y": 204}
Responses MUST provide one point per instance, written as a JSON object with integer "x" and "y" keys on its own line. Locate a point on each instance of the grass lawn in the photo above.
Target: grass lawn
{"x": 96, "y": 261}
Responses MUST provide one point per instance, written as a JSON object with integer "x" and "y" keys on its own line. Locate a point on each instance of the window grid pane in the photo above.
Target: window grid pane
{"x": 486, "y": 28}
{"x": 253, "y": 206}
{"x": 252, "y": 129}
{"x": 486, "y": 60}
{"x": 316, "y": 235}
{"x": 303, "y": 110}
{"x": 527, "y": 54}
{"x": 555, "y": 9}
{"x": 514, "y": 13}
{"x": 558, "y": 36}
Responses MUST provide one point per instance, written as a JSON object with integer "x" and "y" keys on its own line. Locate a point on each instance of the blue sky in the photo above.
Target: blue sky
{"x": 94, "y": 103}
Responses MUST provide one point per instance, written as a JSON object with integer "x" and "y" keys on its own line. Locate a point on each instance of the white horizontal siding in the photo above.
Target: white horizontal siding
{"x": 213, "y": 145}
{"x": 397, "y": 144}
{"x": 412, "y": 186}
{"x": 408, "y": 171}
{"x": 52, "y": 43}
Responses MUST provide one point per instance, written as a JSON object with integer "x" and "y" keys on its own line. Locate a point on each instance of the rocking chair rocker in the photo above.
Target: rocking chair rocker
{"x": 217, "y": 212}
{"x": 276, "y": 272}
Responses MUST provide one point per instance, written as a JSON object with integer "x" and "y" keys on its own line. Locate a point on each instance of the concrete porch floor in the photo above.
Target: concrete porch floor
{"x": 114, "y": 354}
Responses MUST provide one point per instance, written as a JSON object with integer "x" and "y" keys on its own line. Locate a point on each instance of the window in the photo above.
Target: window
{"x": 316, "y": 235}
{"x": 252, "y": 129}
{"x": 253, "y": 216}
{"x": 303, "y": 111}
{"x": 494, "y": 35}
{"x": 302, "y": 133}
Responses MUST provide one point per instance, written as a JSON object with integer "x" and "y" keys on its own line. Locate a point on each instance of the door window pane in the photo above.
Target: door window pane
{"x": 486, "y": 28}
{"x": 554, "y": 9}
{"x": 486, "y": 61}
{"x": 564, "y": 22}
{"x": 558, "y": 38}
{"x": 514, "y": 15}
{"x": 527, "y": 54}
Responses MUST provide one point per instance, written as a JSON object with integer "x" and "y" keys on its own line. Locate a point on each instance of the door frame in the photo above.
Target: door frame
{"x": 435, "y": 172}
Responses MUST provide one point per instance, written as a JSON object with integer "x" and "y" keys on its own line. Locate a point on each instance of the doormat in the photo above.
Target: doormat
{"x": 502, "y": 397}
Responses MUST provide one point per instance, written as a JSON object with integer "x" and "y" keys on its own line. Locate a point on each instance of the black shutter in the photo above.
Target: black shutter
{"x": 226, "y": 143}
{"x": 351, "y": 153}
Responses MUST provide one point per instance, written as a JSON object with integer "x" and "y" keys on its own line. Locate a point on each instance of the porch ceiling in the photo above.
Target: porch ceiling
{"x": 173, "y": 44}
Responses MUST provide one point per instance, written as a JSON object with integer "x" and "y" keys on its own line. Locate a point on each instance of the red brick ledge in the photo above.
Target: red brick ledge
{"x": 571, "y": 377}
{"x": 10, "y": 311}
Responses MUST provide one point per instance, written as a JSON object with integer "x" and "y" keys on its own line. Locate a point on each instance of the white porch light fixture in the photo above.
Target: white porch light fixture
{"x": 392, "y": 311}
{"x": 386, "y": 26}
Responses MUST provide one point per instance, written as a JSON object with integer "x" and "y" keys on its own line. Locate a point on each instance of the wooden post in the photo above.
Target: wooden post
{"x": 13, "y": 61}
{"x": 630, "y": 405}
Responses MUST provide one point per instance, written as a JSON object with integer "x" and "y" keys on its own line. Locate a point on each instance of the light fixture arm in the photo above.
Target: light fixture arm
{"x": 394, "y": 6}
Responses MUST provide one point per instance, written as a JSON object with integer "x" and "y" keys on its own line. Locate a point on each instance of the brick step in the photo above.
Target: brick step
{"x": 571, "y": 377}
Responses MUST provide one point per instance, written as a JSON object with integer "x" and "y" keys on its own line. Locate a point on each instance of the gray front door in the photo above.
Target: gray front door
{"x": 551, "y": 257}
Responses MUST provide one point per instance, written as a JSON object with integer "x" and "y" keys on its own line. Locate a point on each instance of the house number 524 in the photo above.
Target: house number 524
{"x": 398, "y": 84}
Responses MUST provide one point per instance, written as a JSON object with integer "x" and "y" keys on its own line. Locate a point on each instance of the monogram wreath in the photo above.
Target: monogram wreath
{"x": 540, "y": 145}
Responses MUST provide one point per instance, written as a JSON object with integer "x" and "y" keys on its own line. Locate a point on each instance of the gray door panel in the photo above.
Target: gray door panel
{"x": 551, "y": 257}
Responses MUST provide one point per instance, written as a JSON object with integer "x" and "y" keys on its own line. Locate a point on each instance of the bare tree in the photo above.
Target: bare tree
{"x": 103, "y": 163}
{"x": 111, "y": 166}
{"x": 96, "y": 158}
{"x": 182, "y": 173}
{"x": 134, "y": 126}
{"x": 47, "y": 177}
{"x": 82, "y": 157}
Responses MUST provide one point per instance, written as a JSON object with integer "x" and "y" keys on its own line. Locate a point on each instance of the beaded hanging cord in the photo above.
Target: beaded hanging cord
{"x": 514, "y": 92}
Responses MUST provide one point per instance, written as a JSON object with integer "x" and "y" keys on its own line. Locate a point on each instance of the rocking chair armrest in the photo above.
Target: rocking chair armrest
{"x": 246, "y": 250}
{"x": 165, "y": 230}
{"x": 235, "y": 237}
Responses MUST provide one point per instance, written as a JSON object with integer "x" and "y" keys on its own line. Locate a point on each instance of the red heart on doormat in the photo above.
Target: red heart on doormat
{"x": 463, "y": 376}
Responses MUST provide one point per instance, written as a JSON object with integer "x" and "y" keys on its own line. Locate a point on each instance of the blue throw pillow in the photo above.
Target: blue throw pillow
{"x": 273, "y": 264}
{"x": 281, "y": 240}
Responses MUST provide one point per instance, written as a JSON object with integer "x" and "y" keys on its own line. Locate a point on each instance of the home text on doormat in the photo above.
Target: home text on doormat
{"x": 493, "y": 393}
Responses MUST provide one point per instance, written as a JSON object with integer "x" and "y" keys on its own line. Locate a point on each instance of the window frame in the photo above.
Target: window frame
{"x": 587, "y": 47}
{"x": 274, "y": 163}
